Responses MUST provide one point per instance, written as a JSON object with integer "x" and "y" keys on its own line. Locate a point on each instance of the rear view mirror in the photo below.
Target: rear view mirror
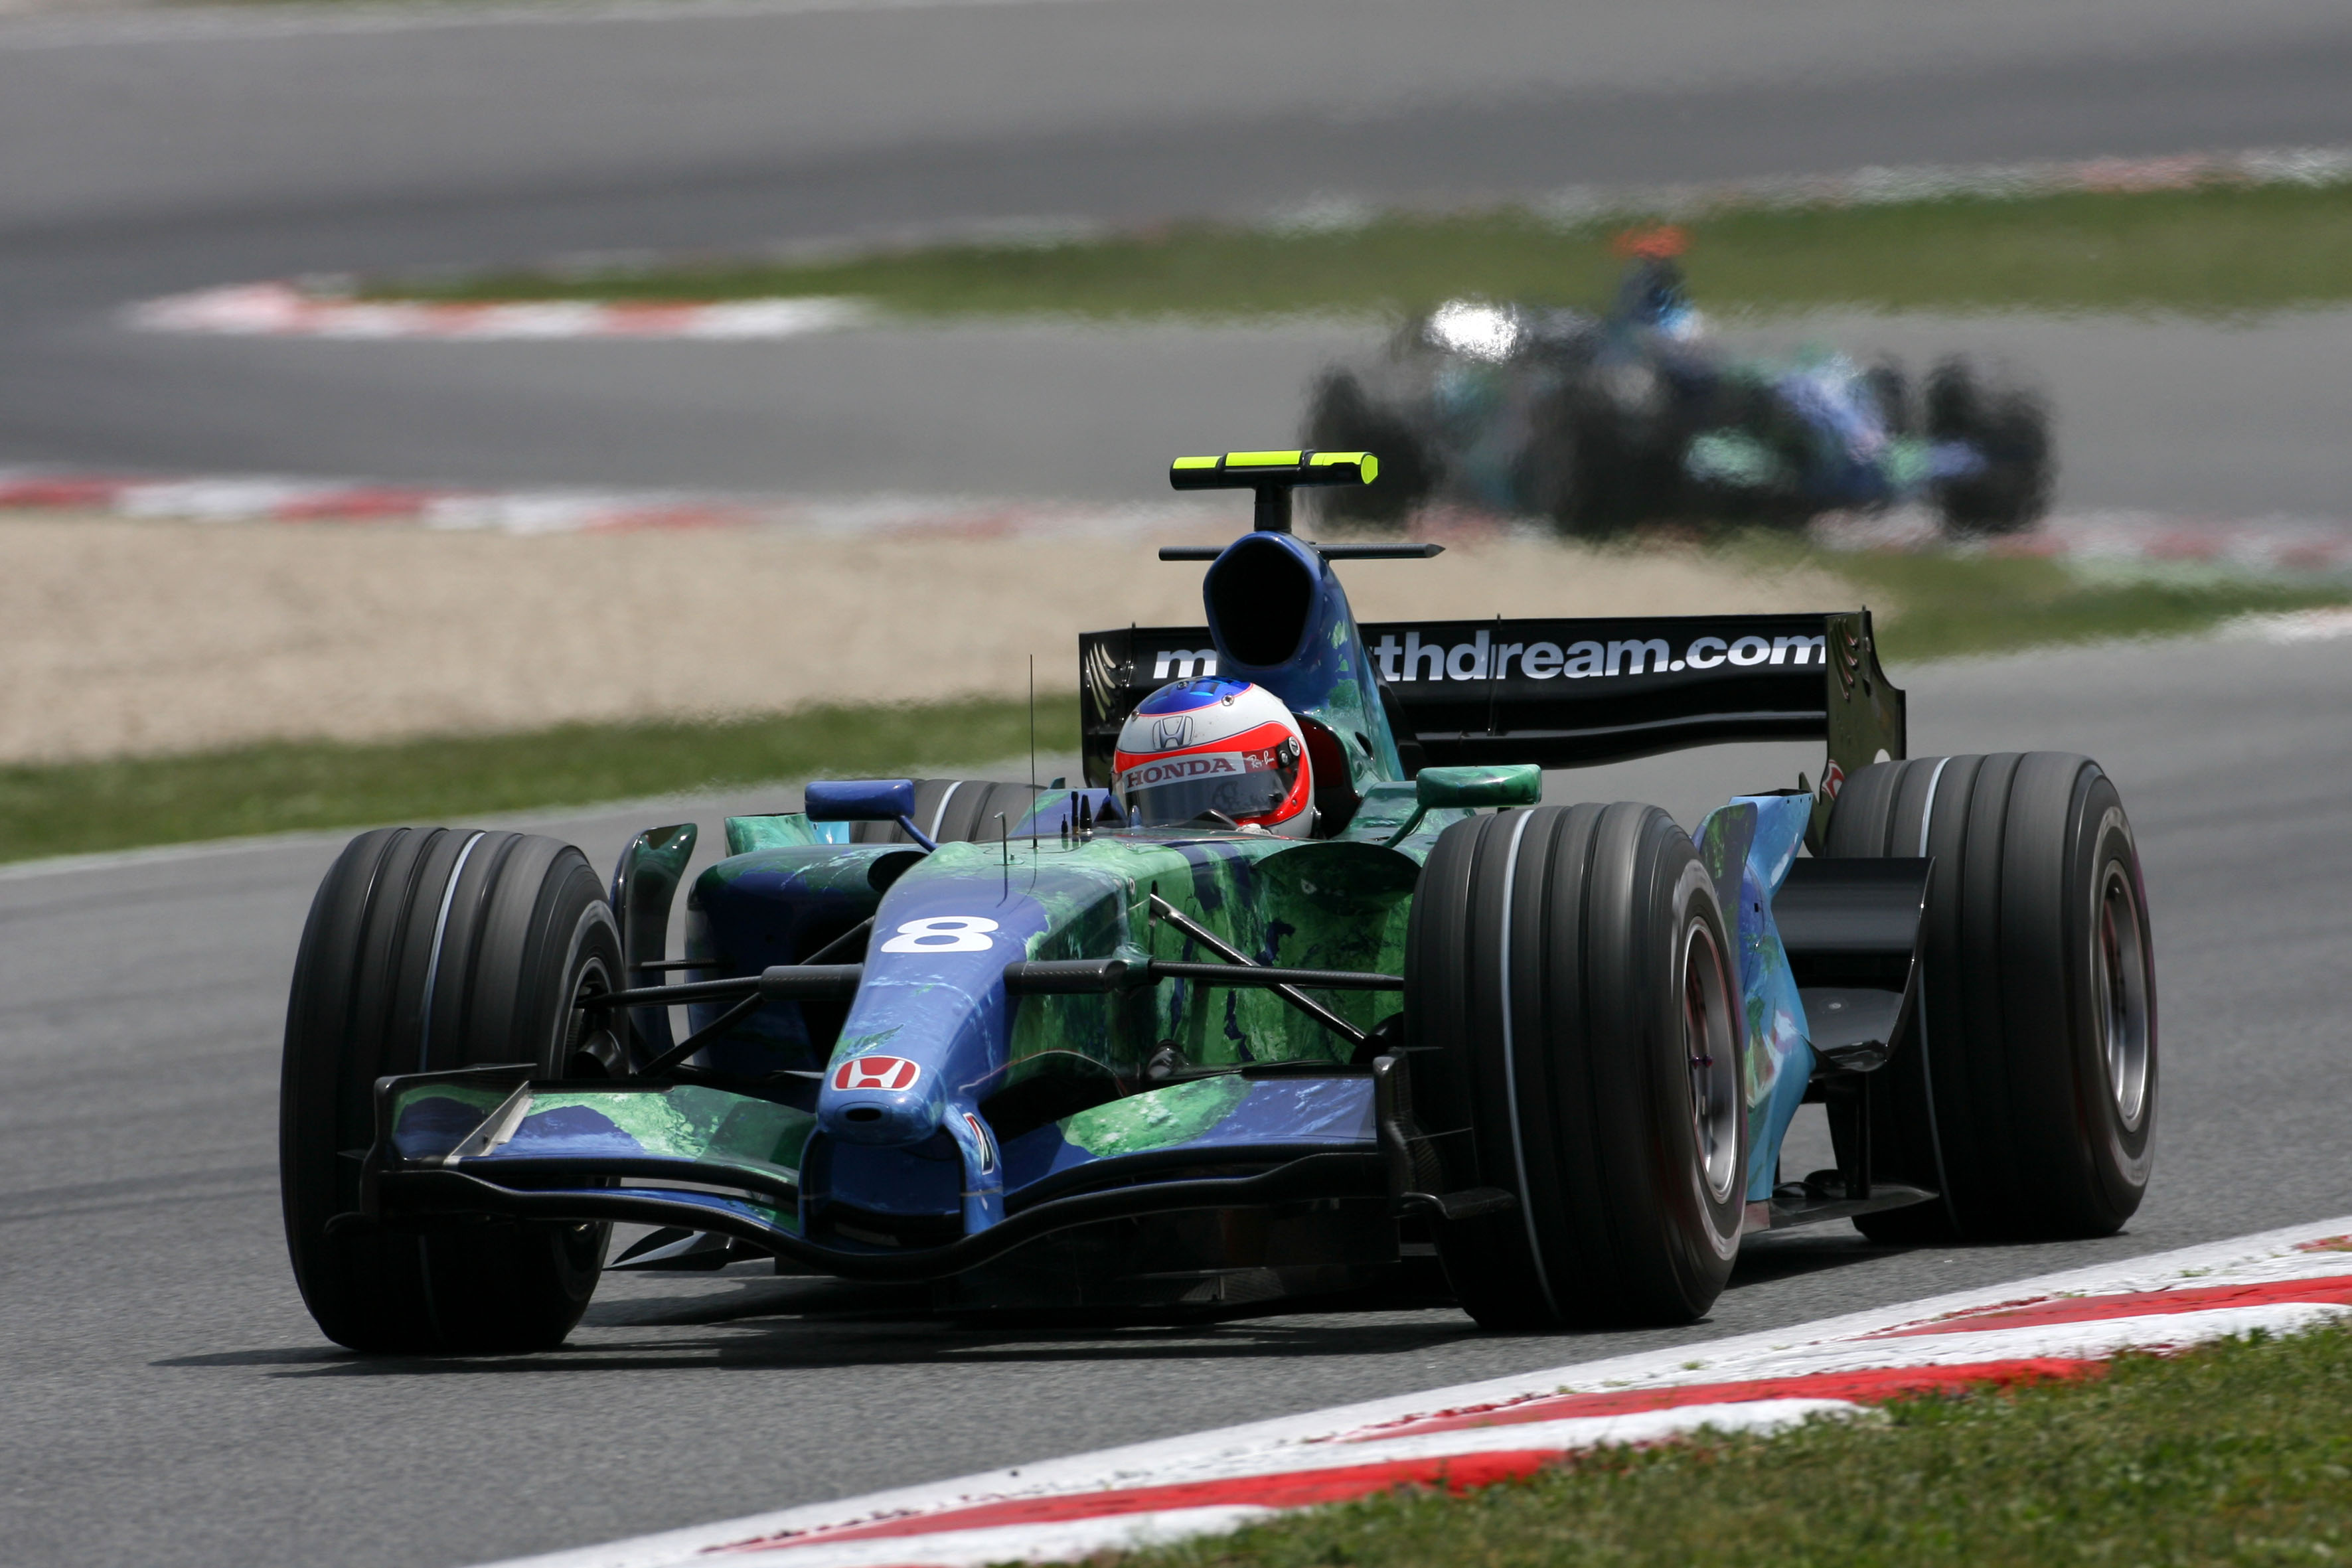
{"x": 1514, "y": 784}
{"x": 871, "y": 800}
{"x": 1459, "y": 789}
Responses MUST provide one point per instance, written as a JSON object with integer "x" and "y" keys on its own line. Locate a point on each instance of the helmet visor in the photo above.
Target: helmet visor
{"x": 1195, "y": 786}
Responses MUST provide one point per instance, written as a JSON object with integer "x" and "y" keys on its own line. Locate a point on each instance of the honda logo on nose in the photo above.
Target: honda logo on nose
{"x": 877, "y": 1072}
{"x": 1171, "y": 732}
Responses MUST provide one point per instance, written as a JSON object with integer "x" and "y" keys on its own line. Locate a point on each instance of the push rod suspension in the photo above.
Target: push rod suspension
{"x": 1233, "y": 956}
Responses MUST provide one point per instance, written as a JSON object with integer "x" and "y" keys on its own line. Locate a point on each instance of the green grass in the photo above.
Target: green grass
{"x": 84, "y": 806}
{"x": 1932, "y": 605}
{"x": 2241, "y": 1453}
{"x": 1944, "y": 605}
{"x": 2217, "y": 250}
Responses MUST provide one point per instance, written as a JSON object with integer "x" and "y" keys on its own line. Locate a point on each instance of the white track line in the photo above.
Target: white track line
{"x": 1065, "y": 1509}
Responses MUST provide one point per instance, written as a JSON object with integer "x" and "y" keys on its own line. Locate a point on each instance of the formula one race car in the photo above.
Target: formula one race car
{"x": 1603, "y": 422}
{"x": 1303, "y": 990}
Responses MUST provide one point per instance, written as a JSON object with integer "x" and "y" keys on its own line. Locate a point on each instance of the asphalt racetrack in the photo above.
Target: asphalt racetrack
{"x": 167, "y": 1400}
{"x": 152, "y": 152}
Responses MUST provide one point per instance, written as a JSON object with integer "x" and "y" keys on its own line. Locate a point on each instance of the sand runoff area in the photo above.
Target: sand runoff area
{"x": 139, "y": 636}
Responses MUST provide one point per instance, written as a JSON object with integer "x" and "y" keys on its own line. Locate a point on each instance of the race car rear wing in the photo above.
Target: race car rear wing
{"x": 1566, "y": 693}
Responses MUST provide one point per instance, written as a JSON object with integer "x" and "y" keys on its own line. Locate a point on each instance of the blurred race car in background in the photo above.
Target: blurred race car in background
{"x": 1604, "y": 422}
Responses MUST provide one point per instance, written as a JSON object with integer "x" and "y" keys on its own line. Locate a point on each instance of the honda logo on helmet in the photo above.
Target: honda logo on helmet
{"x": 1170, "y": 733}
{"x": 877, "y": 1072}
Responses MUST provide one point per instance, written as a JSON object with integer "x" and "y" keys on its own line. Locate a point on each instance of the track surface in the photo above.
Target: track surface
{"x": 169, "y": 1403}
{"x": 166, "y": 151}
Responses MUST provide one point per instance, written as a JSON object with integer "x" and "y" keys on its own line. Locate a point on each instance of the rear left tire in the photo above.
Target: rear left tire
{"x": 956, "y": 810}
{"x": 1569, "y": 975}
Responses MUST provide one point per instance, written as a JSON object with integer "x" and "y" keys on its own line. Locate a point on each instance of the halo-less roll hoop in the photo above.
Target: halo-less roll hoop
{"x": 1273, "y": 476}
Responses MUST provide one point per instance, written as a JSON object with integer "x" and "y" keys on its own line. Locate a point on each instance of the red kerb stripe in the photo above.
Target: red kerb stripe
{"x": 2336, "y": 1288}
{"x": 1288, "y": 1489}
{"x": 1863, "y": 1386}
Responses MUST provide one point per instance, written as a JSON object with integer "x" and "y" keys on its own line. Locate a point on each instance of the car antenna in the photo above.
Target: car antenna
{"x": 1032, "y": 753}
{"x": 1495, "y": 678}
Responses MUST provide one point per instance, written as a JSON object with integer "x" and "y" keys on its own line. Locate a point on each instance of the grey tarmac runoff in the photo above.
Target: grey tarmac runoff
{"x": 170, "y": 1402}
{"x": 152, "y": 152}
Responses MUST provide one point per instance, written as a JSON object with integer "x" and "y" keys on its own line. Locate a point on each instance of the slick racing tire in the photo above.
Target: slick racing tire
{"x": 1341, "y": 417}
{"x": 1555, "y": 478}
{"x": 429, "y": 948}
{"x": 2009, "y": 430}
{"x": 955, "y": 811}
{"x": 2026, "y": 1091}
{"x": 1570, "y": 981}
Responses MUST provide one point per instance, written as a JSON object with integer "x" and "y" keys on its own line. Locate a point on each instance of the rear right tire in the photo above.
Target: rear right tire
{"x": 2026, "y": 1094}
{"x": 1571, "y": 987}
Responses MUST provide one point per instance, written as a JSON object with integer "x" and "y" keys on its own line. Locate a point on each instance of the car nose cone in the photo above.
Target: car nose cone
{"x": 878, "y": 1099}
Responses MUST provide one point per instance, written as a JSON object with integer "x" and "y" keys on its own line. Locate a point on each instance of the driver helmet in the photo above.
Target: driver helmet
{"x": 1195, "y": 751}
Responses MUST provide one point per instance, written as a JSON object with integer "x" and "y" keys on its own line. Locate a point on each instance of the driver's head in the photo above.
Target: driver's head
{"x": 1195, "y": 751}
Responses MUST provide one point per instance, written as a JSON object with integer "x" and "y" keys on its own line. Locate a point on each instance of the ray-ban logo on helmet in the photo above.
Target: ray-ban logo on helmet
{"x": 1170, "y": 733}
{"x": 877, "y": 1072}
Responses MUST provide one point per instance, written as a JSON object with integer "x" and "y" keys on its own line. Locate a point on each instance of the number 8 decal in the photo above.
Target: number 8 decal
{"x": 942, "y": 933}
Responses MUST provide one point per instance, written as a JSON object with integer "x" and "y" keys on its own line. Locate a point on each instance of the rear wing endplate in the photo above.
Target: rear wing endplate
{"x": 1567, "y": 693}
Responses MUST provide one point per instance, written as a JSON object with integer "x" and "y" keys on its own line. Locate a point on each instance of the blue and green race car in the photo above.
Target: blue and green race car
{"x": 1352, "y": 1003}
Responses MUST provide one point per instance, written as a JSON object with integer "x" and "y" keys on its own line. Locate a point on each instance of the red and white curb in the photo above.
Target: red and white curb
{"x": 2134, "y": 540}
{"x": 2140, "y": 542}
{"x": 2056, "y": 1327}
{"x": 286, "y": 310}
{"x": 237, "y": 498}
{"x": 290, "y": 310}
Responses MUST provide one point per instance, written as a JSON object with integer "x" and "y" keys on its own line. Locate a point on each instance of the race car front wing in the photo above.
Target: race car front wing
{"x": 494, "y": 1141}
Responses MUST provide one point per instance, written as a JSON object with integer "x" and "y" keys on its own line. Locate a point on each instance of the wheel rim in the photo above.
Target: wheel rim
{"x": 2119, "y": 985}
{"x": 589, "y": 1048}
{"x": 1708, "y": 1049}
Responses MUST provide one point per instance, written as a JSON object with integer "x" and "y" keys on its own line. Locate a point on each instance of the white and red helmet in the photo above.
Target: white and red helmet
{"x": 1198, "y": 750}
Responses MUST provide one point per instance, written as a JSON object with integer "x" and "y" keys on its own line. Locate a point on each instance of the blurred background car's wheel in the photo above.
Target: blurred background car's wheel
{"x": 1891, "y": 390}
{"x": 2026, "y": 1094}
{"x": 1343, "y": 417}
{"x": 2009, "y": 431}
{"x": 428, "y": 949}
{"x": 1570, "y": 974}
{"x": 1557, "y": 473}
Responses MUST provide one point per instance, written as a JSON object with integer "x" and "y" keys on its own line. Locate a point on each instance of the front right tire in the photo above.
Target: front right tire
{"x": 428, "y": 949}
